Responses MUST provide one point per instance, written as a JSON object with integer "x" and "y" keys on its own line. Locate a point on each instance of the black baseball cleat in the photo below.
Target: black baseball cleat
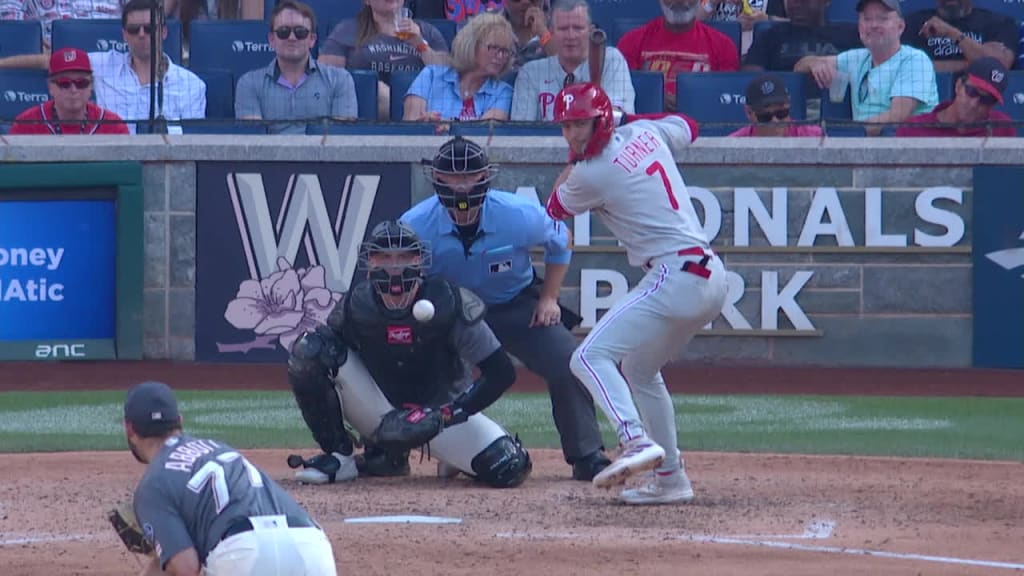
{"x": 587, "y": 467}
{"x": 373, "y": 462}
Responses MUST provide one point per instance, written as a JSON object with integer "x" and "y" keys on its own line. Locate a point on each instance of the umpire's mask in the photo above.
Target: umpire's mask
{"x": 396, "y": 261}
{"x": 461, "y": 174}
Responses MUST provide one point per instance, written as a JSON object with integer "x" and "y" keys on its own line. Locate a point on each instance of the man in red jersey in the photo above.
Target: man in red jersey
{"x": 678, "y": 42}
{"x": 69, "y": 111}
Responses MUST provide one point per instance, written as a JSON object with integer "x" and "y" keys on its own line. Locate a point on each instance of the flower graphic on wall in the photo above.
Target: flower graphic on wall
{"x": 279, "y": 308}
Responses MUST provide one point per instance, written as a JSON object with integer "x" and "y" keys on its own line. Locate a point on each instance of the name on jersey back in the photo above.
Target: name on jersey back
{"x": 183, "y": 457}
{"x": 636, "y": 150}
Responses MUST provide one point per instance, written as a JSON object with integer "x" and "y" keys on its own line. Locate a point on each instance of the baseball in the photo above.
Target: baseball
{"x": 423, "y": 310}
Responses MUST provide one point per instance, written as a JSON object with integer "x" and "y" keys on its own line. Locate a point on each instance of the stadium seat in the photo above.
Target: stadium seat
{"x": 222, "y": 127}
{"x": 484, "y": 129}
{"x": 846, "y": 10}
{"x": 605, "y": 12}
{"x": 1013, "y": 100}
{"x": 718, "y": 97}
{"x": 446, "y": 27}
{"x": 400, "y": 83}
{"x": 732, "y": 30}
{"x": 363, "y": 129}
{"x": 20, "y": 37}
{"x": 106, "y": 34}
{"x": 844, "y": 131}
{"x": 620, "y": 26}
{"x": 237, "y": 46}
{"x": 366, "y": 93}
{"x": 220, "y": 93}
{"x": 21, "y": 89}
{"x": 650, "y": 91}
{"x": 944, "y": 83}
{"x": 762, "y": 27}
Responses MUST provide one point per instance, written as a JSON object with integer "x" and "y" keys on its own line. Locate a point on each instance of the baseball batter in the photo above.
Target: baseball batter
{"x": 628, "y": 176}
{"x": 374, "y": 356}
{"x": 201, "y": 502}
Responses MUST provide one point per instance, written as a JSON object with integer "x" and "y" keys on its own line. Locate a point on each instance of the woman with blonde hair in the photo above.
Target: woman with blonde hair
{"x": 471, "y": 88}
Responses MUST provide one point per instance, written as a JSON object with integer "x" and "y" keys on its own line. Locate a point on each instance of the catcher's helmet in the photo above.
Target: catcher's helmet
{"x": 396, "y": 261}
{"x": 461, "y": 157}
{"x": 583, "y": 101}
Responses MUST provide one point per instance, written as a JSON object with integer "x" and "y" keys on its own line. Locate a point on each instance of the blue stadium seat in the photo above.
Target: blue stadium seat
{"x": 846, "y": 10}
{"x": 944, "y": 82}
{"x": 21, "y": 89}
{"x": 1013, "y": 100}
{"x": 484, "y": 129}
{"x": 220, "y": 93}
{"x": 844, "y": 131}
{"x": 650, "y": 91}
{"x": 103, "y": 35}
{"x": 20, "y": 37}
{"x": 234, "y": 45}
{"x": 718, "y": 97}
{"x": 400, "y": 82}
{"x": 620, "y": 26}
{"x": 366, "y": 93}
{"x": 445, "y": 27}
{"x": 605, "y": 12}
{"x": 222, "y": 127}
{"x": 732, "y": 30}
{"x": 362, "y": 129}
{"x": 762, "y": 27}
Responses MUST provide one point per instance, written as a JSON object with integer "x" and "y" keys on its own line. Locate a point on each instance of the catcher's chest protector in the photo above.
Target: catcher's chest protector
{"x": 411, "y": 362}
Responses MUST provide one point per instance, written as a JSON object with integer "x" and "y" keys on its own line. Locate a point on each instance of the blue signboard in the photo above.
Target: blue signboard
{"x": 276, "y": 246}
{"x": 57, "y": 270}
{"x": 998, "y": 248}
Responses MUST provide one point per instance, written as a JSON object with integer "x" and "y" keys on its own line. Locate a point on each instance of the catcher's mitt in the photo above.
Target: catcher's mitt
{"x": 407, "y": 428}
{"x": 122, "y": 518}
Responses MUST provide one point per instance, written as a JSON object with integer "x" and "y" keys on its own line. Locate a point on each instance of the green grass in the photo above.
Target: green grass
{"x": 984, "y": 428}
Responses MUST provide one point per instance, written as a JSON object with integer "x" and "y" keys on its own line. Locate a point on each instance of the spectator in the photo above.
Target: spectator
{"x": 767, "y": 109}
{"x": 69, "y": 110}
{"x": 889, "y": 82}
{"x": 806, "y": 34}
{"x": 747, "y": 12}
{"x": 294, "y": 86}
{"x": 539, "y": 81}
{"x": 956, "y": 33}
{"x": 189, "y": 10}
{"x": 123, "y": 81}
{"x": 677, "y": 42}
{"x": 471, "y": 88}
{"x": 529, "y": 19}
{"x": 370, "y": 41}
{"x": 455, "y": 10}
{"x": 969, "y": 113}
{"x": 46, "y": 11}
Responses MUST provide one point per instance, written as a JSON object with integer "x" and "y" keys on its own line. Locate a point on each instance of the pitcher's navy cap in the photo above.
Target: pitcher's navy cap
{"x": 150, "y": 407}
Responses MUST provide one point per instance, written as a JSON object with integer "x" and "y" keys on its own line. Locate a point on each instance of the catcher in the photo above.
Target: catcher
{"x": 201, "y": 504}
{"x": 400, "y": 382}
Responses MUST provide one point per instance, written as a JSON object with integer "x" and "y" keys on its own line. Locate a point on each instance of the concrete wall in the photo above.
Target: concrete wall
{"x": 869, "y": 305}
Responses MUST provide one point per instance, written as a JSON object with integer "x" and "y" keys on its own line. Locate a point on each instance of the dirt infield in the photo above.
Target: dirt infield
{"x": 754, "y": 514}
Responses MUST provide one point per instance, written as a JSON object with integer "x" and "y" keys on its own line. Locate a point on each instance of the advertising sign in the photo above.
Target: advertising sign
{"x": 277, "y": 245}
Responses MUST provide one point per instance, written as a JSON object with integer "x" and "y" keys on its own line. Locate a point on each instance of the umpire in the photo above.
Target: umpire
{"x": 481, "y": 240}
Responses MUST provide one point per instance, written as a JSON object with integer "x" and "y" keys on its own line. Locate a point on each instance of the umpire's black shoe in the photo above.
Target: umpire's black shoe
{"x": 587, "y": 467}
{"x": 378, "y": 463}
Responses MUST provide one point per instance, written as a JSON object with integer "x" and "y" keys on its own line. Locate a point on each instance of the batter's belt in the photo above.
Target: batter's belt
{"x": 698, "y": 268}
{"x": 245, "y": 525}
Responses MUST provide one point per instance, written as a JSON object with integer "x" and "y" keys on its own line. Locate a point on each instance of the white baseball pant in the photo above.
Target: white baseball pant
{"x": 643, "y": 331}
{"x": 273, "y": 551}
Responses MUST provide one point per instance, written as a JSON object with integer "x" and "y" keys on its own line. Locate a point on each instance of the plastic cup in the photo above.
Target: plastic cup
{"x": 837, "y": 90}
{"x": 400, "y": 15}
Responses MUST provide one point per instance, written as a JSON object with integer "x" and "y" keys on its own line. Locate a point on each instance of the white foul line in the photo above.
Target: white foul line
{"x": 853, "y": 551}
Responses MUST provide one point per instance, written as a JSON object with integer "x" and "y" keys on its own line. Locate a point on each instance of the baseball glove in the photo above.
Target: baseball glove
{"x": 408, "y": 427}
{"x": 122, "y": 518}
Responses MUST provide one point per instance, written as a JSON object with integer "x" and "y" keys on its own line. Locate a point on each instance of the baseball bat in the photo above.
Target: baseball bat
{"x": 598, "y": 39}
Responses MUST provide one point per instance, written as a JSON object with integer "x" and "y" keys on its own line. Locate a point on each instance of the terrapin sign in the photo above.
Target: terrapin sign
{"x": 277, "y": 245}
{"x": 788, "y": 221}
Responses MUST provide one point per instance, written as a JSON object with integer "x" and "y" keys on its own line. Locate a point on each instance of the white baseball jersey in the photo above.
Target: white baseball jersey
{"x": 636, "y": 188}
{"x": 539, "y": 81}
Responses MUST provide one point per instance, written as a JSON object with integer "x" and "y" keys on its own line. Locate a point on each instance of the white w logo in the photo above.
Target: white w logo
{"x": 303, "y": 221}
{"x": 1010, "y": 258}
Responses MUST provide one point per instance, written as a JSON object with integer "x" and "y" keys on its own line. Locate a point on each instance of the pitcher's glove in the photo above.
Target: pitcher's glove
{"x": 122, "y": 518}
{"x": 408, "y": 427}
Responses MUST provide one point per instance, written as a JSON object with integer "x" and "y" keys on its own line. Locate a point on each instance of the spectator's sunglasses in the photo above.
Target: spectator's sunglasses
{"x": 766, "y": 116}
{"x": 283, "y": 32}
{"x": 67, "y": 83}
{"x": 985, "y": 98}
{"x": 133, "y": 29}
{"x": 865, "y": 87}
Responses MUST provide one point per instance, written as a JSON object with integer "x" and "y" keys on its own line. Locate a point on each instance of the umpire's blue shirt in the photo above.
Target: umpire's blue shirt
{"x": 498, "y": 265}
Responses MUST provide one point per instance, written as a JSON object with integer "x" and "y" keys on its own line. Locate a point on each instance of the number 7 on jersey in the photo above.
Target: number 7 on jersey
{"x": 656, "y": 168}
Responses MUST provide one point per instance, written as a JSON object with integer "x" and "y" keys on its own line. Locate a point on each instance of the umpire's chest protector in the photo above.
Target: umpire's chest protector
{"x": 411, "y": 361}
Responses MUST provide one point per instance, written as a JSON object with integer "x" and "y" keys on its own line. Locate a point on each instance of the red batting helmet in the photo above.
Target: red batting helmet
{"x": 582, "y": 101}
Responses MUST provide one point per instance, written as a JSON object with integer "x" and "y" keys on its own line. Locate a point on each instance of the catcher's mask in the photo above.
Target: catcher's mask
{"x": 396, "y": 260}
{"x": 461, "y": 174}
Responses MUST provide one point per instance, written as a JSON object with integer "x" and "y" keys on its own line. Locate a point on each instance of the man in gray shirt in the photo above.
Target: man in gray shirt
{"x": 294, "y": 86}
{"x": 201, "y": 503}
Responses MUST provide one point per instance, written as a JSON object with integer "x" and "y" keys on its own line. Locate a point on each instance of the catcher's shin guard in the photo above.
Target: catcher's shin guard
{"x": 503, "y": 464}
{"x": 313, "y": 357}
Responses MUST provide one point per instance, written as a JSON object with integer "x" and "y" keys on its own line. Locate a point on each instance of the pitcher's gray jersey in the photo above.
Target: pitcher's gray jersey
{"x": 195, "y": 488}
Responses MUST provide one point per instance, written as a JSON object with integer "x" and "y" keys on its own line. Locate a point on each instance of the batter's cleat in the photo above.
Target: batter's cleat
{"x": 587, "y": 467}
{"x": 638, "y": 455}
{"x": 446, "y": 470}
{"x": 328, "y": 469}
{"x": 671, "y": 488}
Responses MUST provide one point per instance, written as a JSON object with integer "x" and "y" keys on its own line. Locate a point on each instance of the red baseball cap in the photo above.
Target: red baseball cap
{"x": 69, "y": 60}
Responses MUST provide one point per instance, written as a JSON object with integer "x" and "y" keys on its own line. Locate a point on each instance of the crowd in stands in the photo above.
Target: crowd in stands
{"x": 740, "y": 67}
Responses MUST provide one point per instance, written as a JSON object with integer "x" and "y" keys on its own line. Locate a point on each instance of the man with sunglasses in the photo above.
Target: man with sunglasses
{"x": 294, "y": 86}
{"x": 970, "y": 113}
{"x": 767, "y": 108}
{"x": 69, "y": 110}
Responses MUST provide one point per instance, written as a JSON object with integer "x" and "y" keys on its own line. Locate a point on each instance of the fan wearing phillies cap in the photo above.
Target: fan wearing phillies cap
{"x": 69, "y": 110}
{"x": 978, "y": 90}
